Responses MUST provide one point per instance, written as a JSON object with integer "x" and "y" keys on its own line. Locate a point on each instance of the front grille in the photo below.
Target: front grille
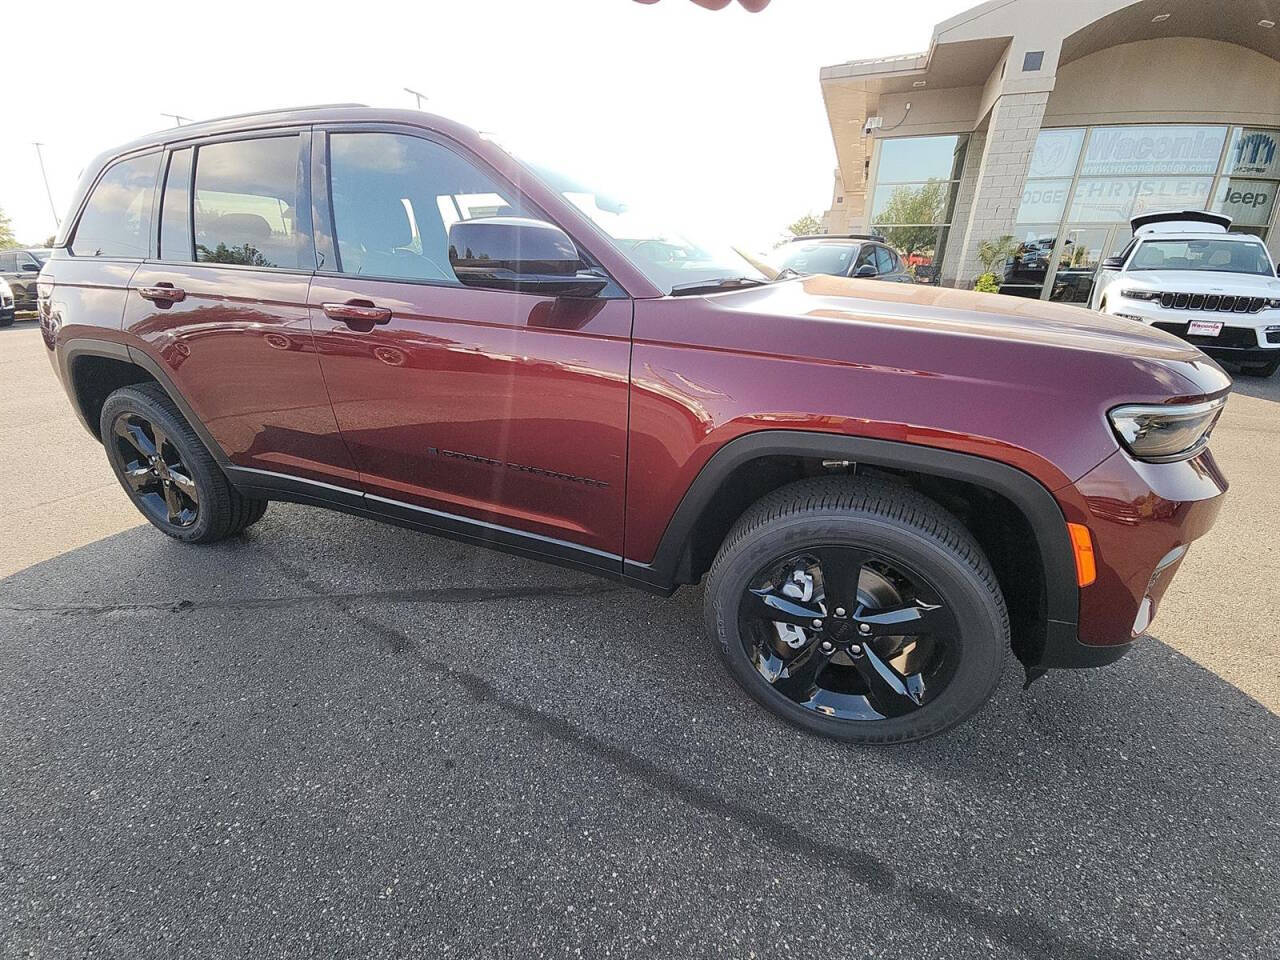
{"x": 1237, "y": 337}
{"x": 1217, "y": 303}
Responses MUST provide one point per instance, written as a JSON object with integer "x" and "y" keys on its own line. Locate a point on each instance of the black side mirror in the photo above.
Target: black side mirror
{"x": 516, "y": 253}
{"x": 866, "y": 270}
{"x": 1113, "y": 263}
{"x": 30, "y": 268}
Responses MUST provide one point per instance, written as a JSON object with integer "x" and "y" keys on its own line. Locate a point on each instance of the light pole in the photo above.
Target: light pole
{"x": 420, "y": 96}
{"x": 177, "y": 118}
{"x": 57, "y": 222}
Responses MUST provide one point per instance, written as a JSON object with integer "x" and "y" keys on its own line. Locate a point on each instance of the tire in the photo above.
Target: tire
{"x": 210, "y": 508}
{"x": 907, "y": 540}
{"x": 6, "y": 321}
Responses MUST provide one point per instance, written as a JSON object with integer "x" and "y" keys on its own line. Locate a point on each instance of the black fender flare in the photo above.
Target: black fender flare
{"x": 73, "y": 349}
{"x": 1025, "y": 492}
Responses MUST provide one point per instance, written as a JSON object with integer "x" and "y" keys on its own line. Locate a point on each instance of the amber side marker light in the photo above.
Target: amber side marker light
{"x": 1082, "y": 547}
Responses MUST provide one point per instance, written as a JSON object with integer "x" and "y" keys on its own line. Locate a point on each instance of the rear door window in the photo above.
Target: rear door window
{"x": 8, "y": 263}
{"x": 246, "y": 201}
{"x": 175, "y": 209}
{"x": 117, "y": 219}
{"x": 394, "y": 199}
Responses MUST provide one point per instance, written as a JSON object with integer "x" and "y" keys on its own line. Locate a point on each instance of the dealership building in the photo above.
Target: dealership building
{"x": 1054, "y": 122}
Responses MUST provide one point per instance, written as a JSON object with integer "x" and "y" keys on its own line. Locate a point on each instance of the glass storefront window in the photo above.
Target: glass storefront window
{"x": 1024, "y": 272}
{"x": 1043, "y": 200}
{"x": 1246, "y": 202}
{"x": 1153, "y": 150}
{"x": 916, "y": 159}
{"x": 1253, "y": 153}
{"x": 1115, "y": 200}
{"x": 912, "y": 203}
{"x": 1056, "y": 153}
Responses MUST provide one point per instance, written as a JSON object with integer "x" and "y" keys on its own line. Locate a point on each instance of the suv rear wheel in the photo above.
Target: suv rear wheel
{"x": 166, "y": 470}
{"x": 859, "y": 610}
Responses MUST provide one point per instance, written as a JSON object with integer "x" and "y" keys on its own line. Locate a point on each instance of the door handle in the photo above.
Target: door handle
{"x": 163, "y": 293}
{"x": 356, "y": 313}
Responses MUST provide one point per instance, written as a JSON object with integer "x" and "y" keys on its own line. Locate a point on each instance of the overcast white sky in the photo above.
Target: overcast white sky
{"x": 716, "y": 113}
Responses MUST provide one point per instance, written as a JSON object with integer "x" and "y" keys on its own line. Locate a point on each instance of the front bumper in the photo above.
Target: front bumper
{"x": 1142, "y": 517}
{"x": 1244, "y": 337}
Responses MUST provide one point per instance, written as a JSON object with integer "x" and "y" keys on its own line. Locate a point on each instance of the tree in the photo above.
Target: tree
{"x": 7, "y": 239}
{"x": 909, "y": 221}
{"x": 805, "y": 226}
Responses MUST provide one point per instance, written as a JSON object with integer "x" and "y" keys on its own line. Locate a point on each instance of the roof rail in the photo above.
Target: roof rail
{"x": 266, "y": 113}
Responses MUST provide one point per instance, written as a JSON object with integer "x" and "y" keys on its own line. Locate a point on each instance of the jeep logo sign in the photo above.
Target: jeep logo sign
{"x": 1246, "y": 202}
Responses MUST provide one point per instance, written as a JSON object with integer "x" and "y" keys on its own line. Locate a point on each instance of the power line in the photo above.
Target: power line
{"x": 177, "y": 118}
{"x": 420, "y": 96}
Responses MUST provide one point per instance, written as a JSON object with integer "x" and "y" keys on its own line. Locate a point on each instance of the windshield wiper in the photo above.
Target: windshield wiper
{"x": 715, "y": 286}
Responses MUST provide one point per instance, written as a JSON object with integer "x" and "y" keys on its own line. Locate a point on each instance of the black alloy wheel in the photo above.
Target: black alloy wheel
{"x": 154, "y": 470}
{"x": 849, "y": 634}
{"x": 858, "y": 609}
{"x": 167, "y": 471}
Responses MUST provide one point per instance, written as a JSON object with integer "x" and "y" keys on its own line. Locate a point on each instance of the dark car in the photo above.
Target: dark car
{"x": 19, "y": 268}
{"x": 865, "y": 256}
{"x": 884, "y": 487}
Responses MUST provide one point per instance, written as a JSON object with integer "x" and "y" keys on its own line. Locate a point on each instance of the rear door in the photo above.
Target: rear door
{"x": 500, "y": 408}
{"x": 88, "y": 282}
{"x": 223, "y": 304}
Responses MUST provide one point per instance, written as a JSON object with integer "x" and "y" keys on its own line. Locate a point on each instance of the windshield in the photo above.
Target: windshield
{"x": 668, "y": 256}
{"x": 833, "y": 258}
{"x": 1222, "y": 256}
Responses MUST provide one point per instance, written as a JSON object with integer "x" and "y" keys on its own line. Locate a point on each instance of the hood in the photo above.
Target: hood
{"x": 962, "y": 312}
{"x": 1202, "y": 281}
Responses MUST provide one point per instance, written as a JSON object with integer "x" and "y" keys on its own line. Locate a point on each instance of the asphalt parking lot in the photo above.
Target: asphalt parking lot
{"x": 336, "y": 738}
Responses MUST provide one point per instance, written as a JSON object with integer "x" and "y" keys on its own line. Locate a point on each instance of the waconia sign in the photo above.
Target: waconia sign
{"x": 1147, "y": 150}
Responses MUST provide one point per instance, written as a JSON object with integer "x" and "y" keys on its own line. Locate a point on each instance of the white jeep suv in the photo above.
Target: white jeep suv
{"x": 1185, "y": 273}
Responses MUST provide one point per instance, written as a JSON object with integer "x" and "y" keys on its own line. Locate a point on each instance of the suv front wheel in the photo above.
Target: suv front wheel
{"x": 859, "y": 610}
{"x": 166, "y": 470}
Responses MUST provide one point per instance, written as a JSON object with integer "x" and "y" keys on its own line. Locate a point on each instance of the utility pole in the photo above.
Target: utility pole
{"x": 420, "y": 96}
{"x": 57, "y": 221}
{"x": 177, "y": 118}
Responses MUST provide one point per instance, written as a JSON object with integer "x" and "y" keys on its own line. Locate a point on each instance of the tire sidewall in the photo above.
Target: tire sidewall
{"x": 194, "y": 459}
{"x": 983, "y": 642}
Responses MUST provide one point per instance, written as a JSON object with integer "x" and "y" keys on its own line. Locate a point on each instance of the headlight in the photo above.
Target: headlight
{"x": 1141, "y": 294}
{"x": 1166, "y": 432}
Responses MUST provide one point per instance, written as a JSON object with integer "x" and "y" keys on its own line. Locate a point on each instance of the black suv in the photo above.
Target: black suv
{"x": 20, "y": 269}
{"x": 850, "y": 255}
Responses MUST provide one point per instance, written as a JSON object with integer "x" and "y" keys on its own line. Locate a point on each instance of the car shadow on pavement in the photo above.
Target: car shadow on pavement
{"x": 333, "y": 731}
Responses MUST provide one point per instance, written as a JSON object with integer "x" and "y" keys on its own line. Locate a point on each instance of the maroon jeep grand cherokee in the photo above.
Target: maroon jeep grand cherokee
{"x": 886, "y": 487}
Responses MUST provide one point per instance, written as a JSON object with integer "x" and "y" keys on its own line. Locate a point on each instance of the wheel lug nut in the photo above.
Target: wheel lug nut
{"x": 839, "y": 611}
{"x": 817, "y": 623}
{"x": 855, "y": 650}
{"x": 827, "y": 646}
{"x": 864, "y": 628}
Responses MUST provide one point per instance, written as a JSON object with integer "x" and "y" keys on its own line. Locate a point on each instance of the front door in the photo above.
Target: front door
{"x": 225, "y": 311}
{"x": 507, "y": 409}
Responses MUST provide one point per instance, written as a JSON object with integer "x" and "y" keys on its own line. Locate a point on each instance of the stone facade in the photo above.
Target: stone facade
{"x": 1006, "y": 155}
